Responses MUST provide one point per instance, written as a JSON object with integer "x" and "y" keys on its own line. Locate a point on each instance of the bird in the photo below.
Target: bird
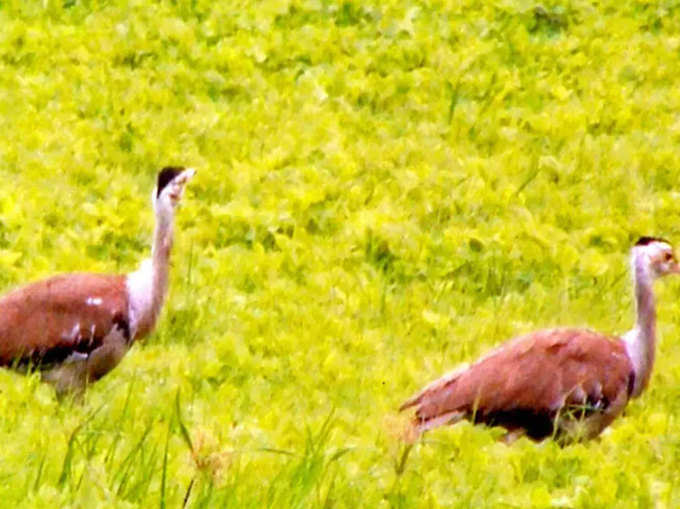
{"x": 568, "y": 384}
{"x": 74, "y": 328}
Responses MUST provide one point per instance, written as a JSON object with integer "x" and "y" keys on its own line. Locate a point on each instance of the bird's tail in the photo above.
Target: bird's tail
{"x": 424, "y": 420}
{"x": 412, "y": 401}
{"x": 433, "y": 387}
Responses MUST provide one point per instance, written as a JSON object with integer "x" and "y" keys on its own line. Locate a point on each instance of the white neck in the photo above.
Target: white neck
{"x": 148, "y": 285}
{"x": 641, "y": 341}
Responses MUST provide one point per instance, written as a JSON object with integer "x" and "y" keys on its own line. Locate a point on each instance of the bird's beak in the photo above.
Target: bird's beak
{"x": 188, "y": 174}
{"x": 179, "y": 184}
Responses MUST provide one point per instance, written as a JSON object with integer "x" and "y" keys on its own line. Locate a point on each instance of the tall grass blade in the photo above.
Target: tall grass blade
{"x": 165, "y": 469}
{"x": 182, "y": 427}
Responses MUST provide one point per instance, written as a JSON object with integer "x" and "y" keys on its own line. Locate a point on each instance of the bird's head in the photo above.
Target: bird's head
{"x": 658, "y": 255}
{"x": 170, "y": 186}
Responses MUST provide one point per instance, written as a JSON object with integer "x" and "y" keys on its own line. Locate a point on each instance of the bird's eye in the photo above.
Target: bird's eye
{"x": 667, "y": 257}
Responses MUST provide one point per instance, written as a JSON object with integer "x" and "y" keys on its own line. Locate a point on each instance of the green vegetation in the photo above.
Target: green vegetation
{"x": 385, "y": 189}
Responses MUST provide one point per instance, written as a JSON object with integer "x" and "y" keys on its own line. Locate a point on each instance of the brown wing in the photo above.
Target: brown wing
{"x": 47, "y": 321}
{"x": 523, "y": 384}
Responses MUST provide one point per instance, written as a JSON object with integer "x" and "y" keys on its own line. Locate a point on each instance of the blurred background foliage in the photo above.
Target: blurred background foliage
{"x": 385, "y": 190}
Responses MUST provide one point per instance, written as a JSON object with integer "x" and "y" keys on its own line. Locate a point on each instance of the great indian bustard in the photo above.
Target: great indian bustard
{"x": 566, "y": 383}
{"x": 75, "y": 328}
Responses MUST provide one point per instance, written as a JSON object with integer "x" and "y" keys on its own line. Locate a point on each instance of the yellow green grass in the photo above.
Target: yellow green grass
{"x": 385, "y": 190}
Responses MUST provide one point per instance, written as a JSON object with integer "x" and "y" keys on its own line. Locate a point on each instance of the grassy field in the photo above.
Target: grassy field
{"x": 386, "y": 189}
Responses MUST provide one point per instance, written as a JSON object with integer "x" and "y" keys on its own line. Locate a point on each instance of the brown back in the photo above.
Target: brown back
{"x": 48, "y": 320}
{"x": 531, "y": 378}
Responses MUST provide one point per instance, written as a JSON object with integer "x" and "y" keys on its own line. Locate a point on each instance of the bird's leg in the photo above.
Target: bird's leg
{"x": 511, "y": 436}
{"x": 70, "y": 376}
{"x": 107, "y": 356}
{"x": 73, "y": 375}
